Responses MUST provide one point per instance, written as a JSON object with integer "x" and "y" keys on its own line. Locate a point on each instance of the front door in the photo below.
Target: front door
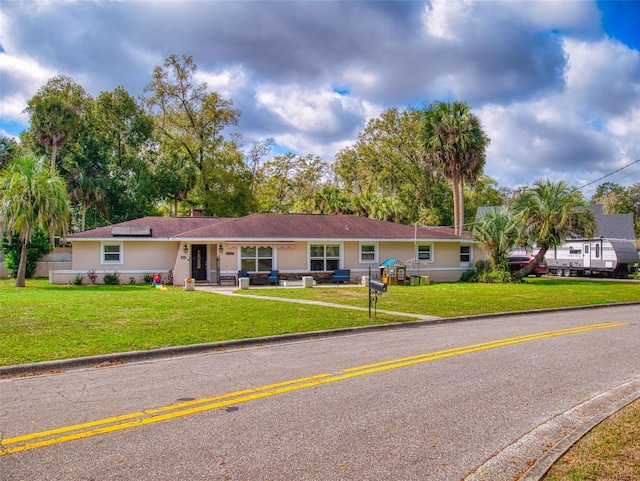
{"x": 586, "y": 260}
{"x": 199, "y": 262}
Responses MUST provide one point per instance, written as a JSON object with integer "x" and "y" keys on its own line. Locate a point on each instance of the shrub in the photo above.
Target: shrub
{"x": 77, "y": 280}
{"x": 482, "y": 271}
{"x": 36, "y": 248}
{"x": 111, "y": 278}
{"x": 147, "y": 277}
{"x": 498, "y": 276}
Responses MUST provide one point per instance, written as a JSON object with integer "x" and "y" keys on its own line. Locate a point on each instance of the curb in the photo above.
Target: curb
{"x": 105, "y": 360}
{"x": 553, "y": 438}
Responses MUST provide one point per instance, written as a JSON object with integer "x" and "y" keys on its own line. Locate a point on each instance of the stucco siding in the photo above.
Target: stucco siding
{"x": 292, "y": 259}
{"x": 135, "y": 255}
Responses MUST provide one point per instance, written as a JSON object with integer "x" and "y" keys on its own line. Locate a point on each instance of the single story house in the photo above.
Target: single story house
{"x": 213, "y": 250}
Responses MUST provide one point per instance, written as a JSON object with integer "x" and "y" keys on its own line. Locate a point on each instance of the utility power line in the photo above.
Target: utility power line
{"x": 609, "y": 174}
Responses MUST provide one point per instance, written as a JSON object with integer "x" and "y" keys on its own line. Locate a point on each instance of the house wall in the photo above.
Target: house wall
{"x": 139, "y": 258}
{"x": 60, "y": 258}
{"x": 446, "y": 266}
{"x": 142, "y": 257}
{"x": 293, "y": 259}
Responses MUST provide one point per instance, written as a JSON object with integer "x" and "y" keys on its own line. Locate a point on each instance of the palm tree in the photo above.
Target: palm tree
{"x": 455, "y": 144}
{"x": 550, "y": 213}
{"x": 55, "y": 112}
{"x": 8, "y": 149}
{"x": 497, "y": 231}
{"x": 87, "y": 189}
{"x": 31, "y": 196}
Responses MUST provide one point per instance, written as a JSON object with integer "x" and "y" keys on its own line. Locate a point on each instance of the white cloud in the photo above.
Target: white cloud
{"x": 600, "y": 74}
{"x": 441, "y": 16}
{"x": 226, "y": 82}
{"x": 22, "y": 77}
{"x": 307, "y": 110}
{"x": 575, "y": 17}
{"x": 556, "y": 95}
{"x": 589, "y": 127}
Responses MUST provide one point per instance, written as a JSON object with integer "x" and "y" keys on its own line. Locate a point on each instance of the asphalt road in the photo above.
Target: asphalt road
{"x": 482, "y": 399}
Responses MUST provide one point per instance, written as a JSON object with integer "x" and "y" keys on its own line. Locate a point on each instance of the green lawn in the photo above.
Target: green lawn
{"x": 43, "y": 322}
{"x": 459, "y": 299}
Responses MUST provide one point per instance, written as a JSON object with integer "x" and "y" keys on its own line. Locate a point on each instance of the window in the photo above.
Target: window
{"x": 424, "y": 253}
{"x": 465, "y": 254}
{"x": 598, "y": 250}
{"x": 256, "y": 259}
{"x": 111, "y": 253}
{"x": 368, "y": 253}
{"x": 324, "y": 257}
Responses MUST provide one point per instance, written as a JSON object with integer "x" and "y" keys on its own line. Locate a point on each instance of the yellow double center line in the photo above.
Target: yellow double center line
{"x": 149, "y": 416}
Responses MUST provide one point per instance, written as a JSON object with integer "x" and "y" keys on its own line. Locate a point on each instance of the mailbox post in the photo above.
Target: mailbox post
{"x": 376, "y": 288}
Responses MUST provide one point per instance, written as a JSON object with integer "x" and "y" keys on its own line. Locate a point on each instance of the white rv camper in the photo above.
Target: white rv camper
{"x": 610, "y": 253}
{"x": 597, "y": 257}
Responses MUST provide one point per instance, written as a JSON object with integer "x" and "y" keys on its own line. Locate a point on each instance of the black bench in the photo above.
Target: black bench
{"x": 341, "y": 275}
{"x": 222, "y": 279}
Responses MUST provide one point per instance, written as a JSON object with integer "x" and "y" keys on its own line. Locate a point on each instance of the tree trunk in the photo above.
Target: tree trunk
{"x": 54, "y": 152}
{"x": 457, "y": 201}
{"x": 22, "y": 265}
{"x": 84, "y": 216}
{"x": 460, "y": 206}
{"x": 528, "y": 269}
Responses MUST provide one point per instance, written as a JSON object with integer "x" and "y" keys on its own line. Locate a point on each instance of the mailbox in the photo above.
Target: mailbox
{"x": 377, "y": 286}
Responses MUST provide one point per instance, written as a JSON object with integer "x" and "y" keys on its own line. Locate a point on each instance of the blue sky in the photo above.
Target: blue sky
{"x": 621, "y": 20}
{"x": 556, "y": 84}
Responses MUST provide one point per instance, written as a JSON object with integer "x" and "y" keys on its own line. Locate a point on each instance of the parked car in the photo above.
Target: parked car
{"x": 518, "y": 262}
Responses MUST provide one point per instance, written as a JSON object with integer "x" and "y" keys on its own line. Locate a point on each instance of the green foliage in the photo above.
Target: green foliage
{"x": 31, "y": 197}
{"x": 111, "y": 278}
{"x": 387, "y": 162}
{"x": 123, "y": 159}
{"x": 289, "y": 183}
{"x": 8, "y": 150}
{"x": 55, "y": 112}
{"x": 147, "y": 277}
{"x": 497, "y": 231}
{"x": 189, "y": 122}
{"x": 224, "y": 186}
{"x": 77, "y": 280}
{"x": 496, "y": 276}
{"x": 620, "y": 200}
{"x": 36, "y": 248}
{"x": 484, "y": 272}
{"x": 549, "y": 213}
{"x": 455, "y": 144}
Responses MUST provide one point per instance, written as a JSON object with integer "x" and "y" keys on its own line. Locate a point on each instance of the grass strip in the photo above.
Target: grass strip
{"x": 609, "y": 452}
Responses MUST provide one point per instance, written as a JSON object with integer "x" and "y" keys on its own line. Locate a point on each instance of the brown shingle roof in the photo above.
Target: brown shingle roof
{"x": 161, "y": 227}
{"x": 277, "y": 226}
